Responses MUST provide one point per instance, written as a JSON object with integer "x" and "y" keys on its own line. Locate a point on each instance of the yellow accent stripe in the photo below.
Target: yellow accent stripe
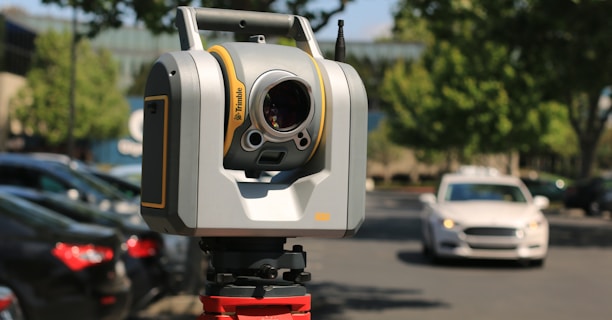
{"x": 323, "y": 106}
{"x": 322, "y": 216}
{"x": 237, "y": 97}
{"x": 162, "y": 203}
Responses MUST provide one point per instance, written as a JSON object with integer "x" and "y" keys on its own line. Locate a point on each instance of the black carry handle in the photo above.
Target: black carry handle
{"x": 189, "y": 20}
{"x": 244, "y": 21}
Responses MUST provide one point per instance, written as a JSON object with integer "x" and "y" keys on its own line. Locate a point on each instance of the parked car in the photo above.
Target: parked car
{"x": 593, "y": 195}
{"x": 129, "y": 188}
{"x": 60, "y": 268}
{"x": 9, "y": 305}
{"x": 130, "y": 172}
{"x": 144, "y": 258}
{"x": 182, "y": 253}
{"x": 484, "y": 216}
{"x": 553, "y": 189}
{"x": 28, "y": 171}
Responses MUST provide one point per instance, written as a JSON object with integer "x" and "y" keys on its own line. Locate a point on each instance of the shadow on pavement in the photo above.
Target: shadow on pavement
{"x": 391, "y": 228}
{"x": 578, "y": 235}
{"x": 417, "y": 258}
{"x": 330, "y": 300}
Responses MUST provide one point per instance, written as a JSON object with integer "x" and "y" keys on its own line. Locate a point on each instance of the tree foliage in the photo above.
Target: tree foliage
{"x": 137, "y": 88}
{"x": 158, "y": 15}
{"x": 410, "y": 27}
{"x": 380, "y": 146}
{"x": 42, "y": 106}
{"x": 512, "y": 70}
{"x": 381, "y": 149}
{"x": 450, "y": 100}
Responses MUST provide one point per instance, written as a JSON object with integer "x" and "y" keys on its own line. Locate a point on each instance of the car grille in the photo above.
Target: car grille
{"x": 500, "y": 232}
{"x": 493, "y": 246}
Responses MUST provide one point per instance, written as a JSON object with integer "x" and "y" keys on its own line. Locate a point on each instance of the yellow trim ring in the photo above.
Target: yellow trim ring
{"x": 237, "y": 97}
{"x": 323, "y": 107}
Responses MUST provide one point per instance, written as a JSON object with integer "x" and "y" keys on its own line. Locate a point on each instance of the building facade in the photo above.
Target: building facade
{"x": 133, "y": 48}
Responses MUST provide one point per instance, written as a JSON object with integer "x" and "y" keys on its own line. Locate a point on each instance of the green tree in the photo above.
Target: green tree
{"x": 478, "y": 96}
{"x": 448, "y": 101}
{"x": 409, "y": 27}
{"x": 42, "y": 106}
{"x": 381, "y": 149}
{"x": 158, "y": 16}
{"x": 604, "y": 152}
{"x": 137, "y": 88}
{"x": 560, "y": 49}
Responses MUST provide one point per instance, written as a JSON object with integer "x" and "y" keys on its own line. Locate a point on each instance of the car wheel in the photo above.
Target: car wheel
{"x": 593, "y": 209}
{"x": 425, "y": 249}
{"x": 429, "y": 249}
{"x": 425, "y": 246}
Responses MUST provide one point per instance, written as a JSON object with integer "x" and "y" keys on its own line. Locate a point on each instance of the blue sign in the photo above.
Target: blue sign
{"x": 127, "y": 150}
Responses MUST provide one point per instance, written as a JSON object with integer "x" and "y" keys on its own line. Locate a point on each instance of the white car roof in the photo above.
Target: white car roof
{"x": 467, "y": 178}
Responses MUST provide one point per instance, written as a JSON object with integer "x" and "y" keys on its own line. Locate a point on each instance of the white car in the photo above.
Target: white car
{"x": 484, "y": 216}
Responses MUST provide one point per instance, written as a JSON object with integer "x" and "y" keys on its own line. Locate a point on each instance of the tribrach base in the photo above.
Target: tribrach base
{"x": 247, "y": 308}
{"x": 245, "y": 280}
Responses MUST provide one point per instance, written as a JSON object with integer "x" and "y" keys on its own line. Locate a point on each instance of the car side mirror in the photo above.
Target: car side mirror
{"x": 541, "y": 202}
{"x": 428, "y": 198}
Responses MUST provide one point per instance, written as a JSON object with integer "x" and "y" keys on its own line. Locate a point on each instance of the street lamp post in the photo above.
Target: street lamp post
{"x": 73, "y": 62}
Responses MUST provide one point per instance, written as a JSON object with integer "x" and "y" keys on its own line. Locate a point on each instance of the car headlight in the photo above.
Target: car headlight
{"x": 535, "y": 224}
{"x": 448, "y": 223}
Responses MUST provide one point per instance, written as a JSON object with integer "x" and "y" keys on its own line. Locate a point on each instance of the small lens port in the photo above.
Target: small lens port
{"x": 254, "y": 139}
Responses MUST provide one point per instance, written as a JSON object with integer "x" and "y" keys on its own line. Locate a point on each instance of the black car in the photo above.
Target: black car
{"x": 553, "y": 189}
{"x": 34, "y": 169}
{"x": 593, "y": 195}
{"x": 129, "y": 189}
{"x": 144, "y": 259}
{"x": 59, "y": 268}
{"x": 30, "y": 172}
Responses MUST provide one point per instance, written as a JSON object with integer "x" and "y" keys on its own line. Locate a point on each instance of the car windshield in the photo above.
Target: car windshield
{"x": 31, "y": 213}
{"x": 87, "y": 182}
{"x": 486, "y": 192}
{"x": 78, "y": 210}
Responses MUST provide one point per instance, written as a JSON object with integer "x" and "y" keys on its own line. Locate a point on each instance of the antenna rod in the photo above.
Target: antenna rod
{"x": 340, "y": 47}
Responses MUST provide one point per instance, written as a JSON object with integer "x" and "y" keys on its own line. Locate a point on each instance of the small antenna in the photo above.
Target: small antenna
{"x": 340, "y": 48}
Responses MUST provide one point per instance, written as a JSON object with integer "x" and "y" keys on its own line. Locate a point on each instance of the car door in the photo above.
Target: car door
{"x": 36, "y": 178}
{"x": 16, "y": 175}
{"x": 25, "y": 255}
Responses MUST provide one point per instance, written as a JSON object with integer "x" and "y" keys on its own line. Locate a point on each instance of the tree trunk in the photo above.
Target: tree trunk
{"x": 513, "y": 163}
{"x": 587, "y": 158}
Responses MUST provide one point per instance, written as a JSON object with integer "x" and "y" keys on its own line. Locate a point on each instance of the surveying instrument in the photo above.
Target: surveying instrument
{"x": 247, "y": 144}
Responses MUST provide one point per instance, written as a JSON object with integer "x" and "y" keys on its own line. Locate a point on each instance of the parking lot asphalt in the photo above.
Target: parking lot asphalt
{"x": 187, "y": 306}
{"x": 179, "y": 307}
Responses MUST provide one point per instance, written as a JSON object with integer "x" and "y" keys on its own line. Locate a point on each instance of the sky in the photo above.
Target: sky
{"x": 364, "y": 20}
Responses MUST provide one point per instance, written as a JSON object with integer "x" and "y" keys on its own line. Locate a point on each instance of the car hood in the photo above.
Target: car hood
{"x": 489, "y": 212}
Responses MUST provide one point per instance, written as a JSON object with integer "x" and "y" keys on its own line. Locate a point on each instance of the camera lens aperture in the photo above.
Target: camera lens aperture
{"x": 286, "y": 105}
